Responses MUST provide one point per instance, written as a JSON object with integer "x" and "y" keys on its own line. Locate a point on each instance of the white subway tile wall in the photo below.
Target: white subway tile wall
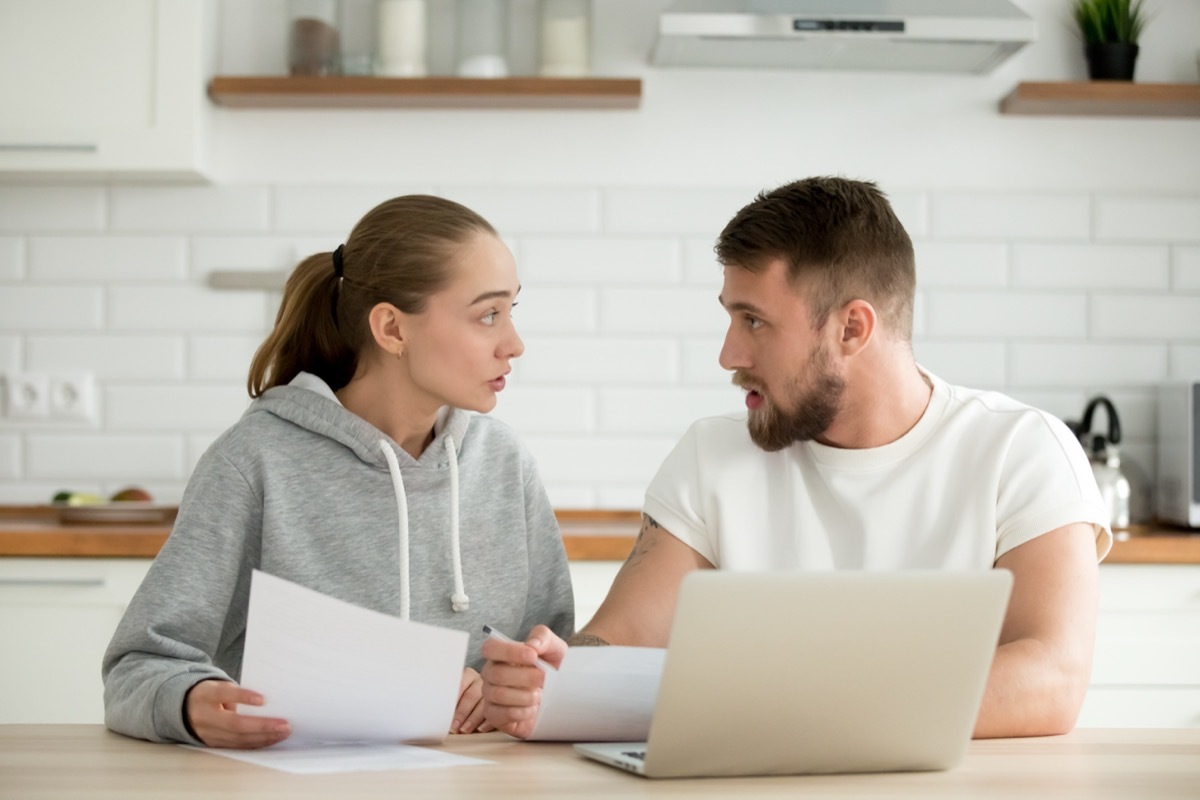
{"x": 1186, "y": 268}
{"x": 1051, "y": 298}
{"x": 1185, "y": 362}
{"x": 10, "y": 456}
{"x": 10, "y": 353}
{"x": 12, "y": 258}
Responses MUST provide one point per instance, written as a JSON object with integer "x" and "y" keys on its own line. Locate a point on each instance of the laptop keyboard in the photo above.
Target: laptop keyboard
{"x": 640, "y": 755}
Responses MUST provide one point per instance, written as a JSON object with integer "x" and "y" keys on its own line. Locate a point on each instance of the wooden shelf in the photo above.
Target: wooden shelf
{"x": 440, "y": 92}
{"x": 1104, "y": 99}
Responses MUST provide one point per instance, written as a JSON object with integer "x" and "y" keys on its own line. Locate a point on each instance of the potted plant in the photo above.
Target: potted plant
{"x": 1110, "y": 30}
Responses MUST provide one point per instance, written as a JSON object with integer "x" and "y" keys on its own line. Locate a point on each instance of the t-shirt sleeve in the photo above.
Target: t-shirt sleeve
{"x": 675, "y": 498}
{"x": 1047, "y": 483}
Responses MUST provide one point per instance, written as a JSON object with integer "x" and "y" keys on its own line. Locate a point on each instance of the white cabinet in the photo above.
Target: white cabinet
{"x": 590, "y": 581}
{"x": 58, "y": 614}
{"x": 113, "y": 88}
{"x": 56, "y": 618}
{"x": 1146, "y": 670}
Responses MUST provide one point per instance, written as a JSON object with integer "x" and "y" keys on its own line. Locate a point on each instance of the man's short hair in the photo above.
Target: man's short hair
{"x": 841, "y": 241}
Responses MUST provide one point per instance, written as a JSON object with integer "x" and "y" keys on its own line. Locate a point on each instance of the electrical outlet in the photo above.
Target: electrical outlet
{"x": 71, "y": 397}
{"x": 50, "y": 397}
{"x": 26, "y": 397}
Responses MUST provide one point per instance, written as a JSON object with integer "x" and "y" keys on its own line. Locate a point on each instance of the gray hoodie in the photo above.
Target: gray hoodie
{"x": 301, "y": 488}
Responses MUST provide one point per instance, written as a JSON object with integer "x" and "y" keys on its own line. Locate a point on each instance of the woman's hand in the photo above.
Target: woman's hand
{"x": 513, "y": 680}
{"x": 211, "y": 710}
{"x": 468, "y": 716}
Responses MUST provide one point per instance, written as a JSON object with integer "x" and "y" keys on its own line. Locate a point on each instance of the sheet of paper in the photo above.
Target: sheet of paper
{"x": 345, "y": 758}
{"x": 601, "y": 694}
{"x": 341, "y": 673}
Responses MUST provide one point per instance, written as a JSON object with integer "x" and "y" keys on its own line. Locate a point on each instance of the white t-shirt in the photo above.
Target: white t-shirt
{"x": 978, "y": 475}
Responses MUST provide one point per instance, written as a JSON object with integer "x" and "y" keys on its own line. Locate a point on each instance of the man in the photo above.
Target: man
{"x": 852, "y": 457}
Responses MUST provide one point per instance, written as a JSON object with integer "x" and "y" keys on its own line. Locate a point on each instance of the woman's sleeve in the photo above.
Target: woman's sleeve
{"x": 191, "y": 603}
{"x": 551, "y": 600}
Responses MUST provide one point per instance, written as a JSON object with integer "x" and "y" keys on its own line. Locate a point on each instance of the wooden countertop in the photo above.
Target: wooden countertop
{"x": 589, "y": 535}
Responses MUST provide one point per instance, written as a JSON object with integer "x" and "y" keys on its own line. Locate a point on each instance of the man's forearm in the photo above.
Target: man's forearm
{"x": 1031, "y": 693}
{"x": 583, "y": 639}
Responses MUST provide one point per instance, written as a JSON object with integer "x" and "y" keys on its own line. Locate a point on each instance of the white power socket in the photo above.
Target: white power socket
{"x": 26, "y": 397}
{"x": 44, "y": 397}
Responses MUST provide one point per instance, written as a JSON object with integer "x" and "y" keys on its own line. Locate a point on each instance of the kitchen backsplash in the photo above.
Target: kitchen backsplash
{"x": 1049, "y": 297}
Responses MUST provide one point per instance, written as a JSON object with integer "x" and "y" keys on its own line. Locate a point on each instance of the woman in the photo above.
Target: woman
{"x": 358, "y": 472}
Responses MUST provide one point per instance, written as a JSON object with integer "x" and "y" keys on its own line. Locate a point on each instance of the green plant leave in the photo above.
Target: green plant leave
{"x": 1102, "y": 21}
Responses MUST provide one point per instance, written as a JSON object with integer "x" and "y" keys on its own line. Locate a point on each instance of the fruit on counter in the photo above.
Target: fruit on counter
{"x": 132, "y": 493}
{"x": 77, "y": 498}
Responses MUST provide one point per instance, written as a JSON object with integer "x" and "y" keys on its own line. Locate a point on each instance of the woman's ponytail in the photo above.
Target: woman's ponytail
{"x": 306, "y": 336}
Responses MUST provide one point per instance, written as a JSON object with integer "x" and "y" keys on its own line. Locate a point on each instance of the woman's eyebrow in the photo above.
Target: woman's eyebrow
{"x": 492, "y": 295}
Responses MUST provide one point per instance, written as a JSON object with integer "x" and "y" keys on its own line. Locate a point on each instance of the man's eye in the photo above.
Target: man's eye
{"x": 753, "y": 322}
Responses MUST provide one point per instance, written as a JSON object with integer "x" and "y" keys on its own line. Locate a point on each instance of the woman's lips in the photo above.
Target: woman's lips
{"x": 497, "y": 384}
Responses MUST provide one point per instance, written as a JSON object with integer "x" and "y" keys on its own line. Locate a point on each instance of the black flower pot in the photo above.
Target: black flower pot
{"x": 1111, "y": 61}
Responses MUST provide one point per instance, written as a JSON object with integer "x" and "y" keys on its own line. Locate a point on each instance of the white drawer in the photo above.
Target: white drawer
{"x": 1147, "y": 649}
{"x": 1131, "y": 587}
{"x": 1140, "y": 708}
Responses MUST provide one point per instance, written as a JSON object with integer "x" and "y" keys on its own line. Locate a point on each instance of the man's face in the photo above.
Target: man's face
{"x": 794, "y": 391}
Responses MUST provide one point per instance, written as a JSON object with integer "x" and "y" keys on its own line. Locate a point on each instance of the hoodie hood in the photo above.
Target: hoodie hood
{"x": 309, "y": 402}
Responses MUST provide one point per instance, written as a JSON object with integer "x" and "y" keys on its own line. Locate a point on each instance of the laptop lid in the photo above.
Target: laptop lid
{"x": 787, "y": 673}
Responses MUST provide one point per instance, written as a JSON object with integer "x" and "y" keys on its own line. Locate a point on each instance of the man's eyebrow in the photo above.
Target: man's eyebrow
{"x": 748, "y": 307}
{"x": 492, "y": 295}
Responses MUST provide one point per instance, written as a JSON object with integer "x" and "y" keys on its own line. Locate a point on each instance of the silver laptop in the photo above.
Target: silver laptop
{"x": 789, "y": 673}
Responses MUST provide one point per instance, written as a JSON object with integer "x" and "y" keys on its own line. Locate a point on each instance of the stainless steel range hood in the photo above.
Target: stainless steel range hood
{"x": 906, "y": 35}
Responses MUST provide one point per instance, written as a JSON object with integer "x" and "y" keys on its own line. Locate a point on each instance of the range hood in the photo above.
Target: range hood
{"x": 907, "y": 35}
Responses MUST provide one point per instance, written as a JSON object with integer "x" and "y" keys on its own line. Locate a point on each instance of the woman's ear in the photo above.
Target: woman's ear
{"x": 858, "y": 322}
{"x": 389, "y": 328}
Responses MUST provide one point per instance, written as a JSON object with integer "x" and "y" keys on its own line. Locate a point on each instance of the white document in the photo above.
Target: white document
{"x": 345, "y": 758}
{"x": 341, "y": 673}
{"x": 600, "y": 694}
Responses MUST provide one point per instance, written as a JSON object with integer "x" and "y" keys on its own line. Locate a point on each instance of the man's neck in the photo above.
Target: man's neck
{"x": 883, "y": 401}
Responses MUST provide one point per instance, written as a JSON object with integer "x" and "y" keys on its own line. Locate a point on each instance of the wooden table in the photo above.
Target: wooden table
{"x": 87, "y": 761}
{"x": 589, "y": 535}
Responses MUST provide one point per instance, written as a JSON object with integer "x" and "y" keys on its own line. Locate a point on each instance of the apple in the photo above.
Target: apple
{"x": 132, "y": 493}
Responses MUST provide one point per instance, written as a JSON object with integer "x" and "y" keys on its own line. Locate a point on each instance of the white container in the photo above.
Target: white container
{"x": 482, "y": 38}
{"x": 566, "y": 38}
{"x": 401, "y": 32}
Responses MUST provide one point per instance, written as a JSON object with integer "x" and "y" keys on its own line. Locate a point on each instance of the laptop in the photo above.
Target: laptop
{"x": 792, "y": 673}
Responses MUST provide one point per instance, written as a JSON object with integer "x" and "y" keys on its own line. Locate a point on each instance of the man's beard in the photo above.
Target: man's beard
{"x": 815, "y": 408}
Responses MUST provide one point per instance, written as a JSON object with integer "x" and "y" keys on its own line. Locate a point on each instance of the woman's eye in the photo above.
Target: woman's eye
{"x": 489, "y": 318}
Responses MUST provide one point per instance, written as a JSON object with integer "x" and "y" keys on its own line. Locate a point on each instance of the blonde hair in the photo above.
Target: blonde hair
{"x": 400, "y": 252}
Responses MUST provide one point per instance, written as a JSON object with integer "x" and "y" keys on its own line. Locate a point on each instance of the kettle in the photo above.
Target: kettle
{"x": 1105, "y": 459}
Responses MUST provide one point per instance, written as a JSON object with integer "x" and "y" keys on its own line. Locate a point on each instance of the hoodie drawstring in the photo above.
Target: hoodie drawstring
{"x": 458, "y": 600}
{"x": 402, "y": 514}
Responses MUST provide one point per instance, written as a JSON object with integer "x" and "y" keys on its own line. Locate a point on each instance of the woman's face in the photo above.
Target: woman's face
{"x": 458, "y": 349}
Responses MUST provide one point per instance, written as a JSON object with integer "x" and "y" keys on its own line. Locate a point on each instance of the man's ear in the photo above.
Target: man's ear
{"x": 389, "y": 327}
{"x": 857, "y": 320}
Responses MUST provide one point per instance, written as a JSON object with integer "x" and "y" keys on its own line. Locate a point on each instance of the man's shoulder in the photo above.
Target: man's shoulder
{"x": 991, "y": 404}
{"x": 1007, "y": 417}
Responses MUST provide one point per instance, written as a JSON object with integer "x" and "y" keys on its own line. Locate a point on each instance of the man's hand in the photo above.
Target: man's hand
{"x": 468, "y": 715}
{"x": 211, "y": 709}
{"x": 512, "y": 681}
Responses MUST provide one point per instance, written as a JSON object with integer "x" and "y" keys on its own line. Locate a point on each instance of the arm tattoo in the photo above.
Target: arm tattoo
{"x": 586, "y": 640}
{"x": 643, "y": 545}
